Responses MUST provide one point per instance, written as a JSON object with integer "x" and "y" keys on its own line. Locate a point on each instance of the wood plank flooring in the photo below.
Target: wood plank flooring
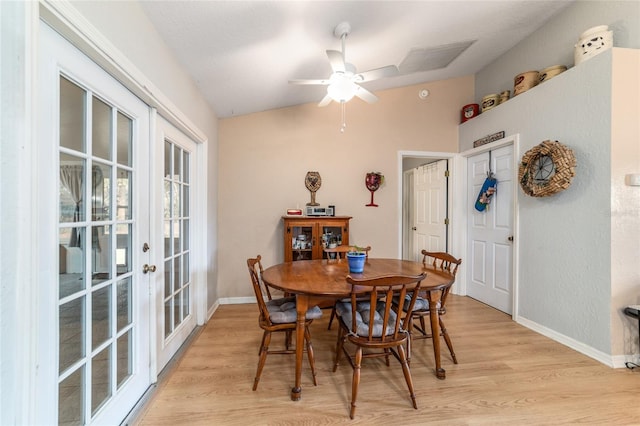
{"x": 507, "y": 374}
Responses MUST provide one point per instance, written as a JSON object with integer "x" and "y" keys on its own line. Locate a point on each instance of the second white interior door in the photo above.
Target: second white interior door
{"x": 430, "y": 208}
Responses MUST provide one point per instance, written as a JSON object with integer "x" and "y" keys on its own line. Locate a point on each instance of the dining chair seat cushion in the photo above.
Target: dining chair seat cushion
{"x": 343, "y": 309}
{"x": 422, "y": 304}
{"x": 283, "y": 310}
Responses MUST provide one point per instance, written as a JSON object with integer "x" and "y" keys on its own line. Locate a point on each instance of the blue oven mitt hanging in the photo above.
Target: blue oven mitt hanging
{"x": 486, "y": 192}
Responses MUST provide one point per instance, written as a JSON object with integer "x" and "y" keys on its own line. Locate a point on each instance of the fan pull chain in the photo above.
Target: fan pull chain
{"x": 343, "y": 106}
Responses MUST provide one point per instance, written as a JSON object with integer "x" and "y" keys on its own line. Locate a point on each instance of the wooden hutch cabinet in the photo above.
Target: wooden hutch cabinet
{"x": 306, "y": 236}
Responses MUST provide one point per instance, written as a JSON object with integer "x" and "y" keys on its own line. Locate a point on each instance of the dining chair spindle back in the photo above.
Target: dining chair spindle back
{"x": 443, "y": 263}
{"x": 368, "y": 321}
{"x": 278, "y": 315}
{"x": 338, "y": 254}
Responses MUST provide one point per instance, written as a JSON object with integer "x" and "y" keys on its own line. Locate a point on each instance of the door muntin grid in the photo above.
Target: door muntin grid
{"x": 177, "y": 241}
{"x": 95, "y": 297}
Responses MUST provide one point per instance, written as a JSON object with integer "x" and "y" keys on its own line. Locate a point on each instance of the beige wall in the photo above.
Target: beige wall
{"x": 264, "y": 158}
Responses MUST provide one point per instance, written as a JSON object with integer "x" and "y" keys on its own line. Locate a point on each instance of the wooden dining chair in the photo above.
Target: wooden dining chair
{"x": 374, "y": 326}
{"x": 340, "y": 254}
{"x": 443, "y": 263}
{"x": 278, "y": 315}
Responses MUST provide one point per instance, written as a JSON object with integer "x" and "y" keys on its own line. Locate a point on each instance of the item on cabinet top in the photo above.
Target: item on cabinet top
{"x": 313, "y": 181}
{"x": 547, "y": 168}
{"x": 319, "y": 211}
{"x": 490, "y": 101}
{"x": 469, "y": 111}
{"x": 525, "y": 81}
{"x": 550, "y": 72}
{"x": 592, "y": 42}
{"x": 504, "y": 96}
{"x": 294, "y": 212}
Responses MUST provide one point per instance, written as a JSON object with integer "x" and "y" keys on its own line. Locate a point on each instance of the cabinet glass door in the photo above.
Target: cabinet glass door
{"x": 331, "y": 236}
{"x": 302, "y": 242}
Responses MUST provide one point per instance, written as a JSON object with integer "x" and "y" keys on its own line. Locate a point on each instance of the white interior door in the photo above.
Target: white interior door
{"x": 490, "y": 249}
{"x": 430, "y": 195}
{"x": 174, "y": 287}
{"x": 408, "y": 210}
{"x": 94, "y": 323}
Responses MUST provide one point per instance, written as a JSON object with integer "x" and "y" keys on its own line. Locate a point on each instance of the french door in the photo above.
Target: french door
{"x": 96, "y": 186}
{"x": 173, "y": 282}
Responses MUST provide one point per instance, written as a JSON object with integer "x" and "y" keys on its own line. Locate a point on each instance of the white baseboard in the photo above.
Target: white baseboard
{"x": 608, "y": 360}
{"x": 212, "y": 309}
{"x": 236, "y": 300}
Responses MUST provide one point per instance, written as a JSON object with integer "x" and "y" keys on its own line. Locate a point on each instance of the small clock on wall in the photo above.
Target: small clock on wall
{"x": 543, "y": 169}
{"x": 546, "y": 169}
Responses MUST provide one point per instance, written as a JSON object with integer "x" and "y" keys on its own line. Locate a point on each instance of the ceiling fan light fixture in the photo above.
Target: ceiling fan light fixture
{"x": 341, "y": 89}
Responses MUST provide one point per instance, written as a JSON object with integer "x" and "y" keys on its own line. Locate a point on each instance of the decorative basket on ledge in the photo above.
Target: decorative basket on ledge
{"x": 593, "y": 42}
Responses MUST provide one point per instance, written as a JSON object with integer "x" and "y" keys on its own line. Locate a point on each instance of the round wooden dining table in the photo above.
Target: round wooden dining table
{"x": 313, "y": 281}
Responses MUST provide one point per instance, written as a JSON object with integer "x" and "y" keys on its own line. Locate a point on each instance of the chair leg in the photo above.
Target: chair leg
{"x": 261, "y": 343}
{"x": 409, "y": 338}
{"x": 339, "y": 346}
{"x": 264, "y": 350}
{"x": 287, "y": 340}
{"x": 312, "y": 362}
{"x": 447, "y": 339}
{"x": 423, "y": 325}
{"x": 333, "y": 315}
{"x": 356, "y": 381}
{"x": 407, "y": 375}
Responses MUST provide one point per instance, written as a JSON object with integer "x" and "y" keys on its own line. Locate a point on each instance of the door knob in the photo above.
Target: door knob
{"x": 148, "y": 268}
{"x": 414, "y": 228}
{"x": 510, "y": 238}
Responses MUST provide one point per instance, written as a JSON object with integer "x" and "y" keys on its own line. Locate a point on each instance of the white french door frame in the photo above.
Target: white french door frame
{"x": 461, "y": 216}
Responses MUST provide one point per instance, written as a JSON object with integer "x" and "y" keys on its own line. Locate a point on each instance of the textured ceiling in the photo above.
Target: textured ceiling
{"x": 242, "y": 54}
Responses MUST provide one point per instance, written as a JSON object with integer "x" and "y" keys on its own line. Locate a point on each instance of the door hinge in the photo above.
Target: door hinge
{"x": 446, "y": 221}
{"x": 446, "y": 173}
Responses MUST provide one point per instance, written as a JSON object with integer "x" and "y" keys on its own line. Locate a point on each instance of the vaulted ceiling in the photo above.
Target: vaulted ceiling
{"x": 242, "y": 54}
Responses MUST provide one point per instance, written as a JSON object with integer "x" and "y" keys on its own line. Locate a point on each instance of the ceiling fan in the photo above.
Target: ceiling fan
{"x": 344, "y": 82}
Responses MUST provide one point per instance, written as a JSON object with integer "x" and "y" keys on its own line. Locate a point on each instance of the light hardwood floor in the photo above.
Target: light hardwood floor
{"x": 507, "y": 374}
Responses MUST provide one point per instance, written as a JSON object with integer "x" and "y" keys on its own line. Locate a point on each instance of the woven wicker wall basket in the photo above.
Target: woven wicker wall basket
{"x": 546, "y": 169}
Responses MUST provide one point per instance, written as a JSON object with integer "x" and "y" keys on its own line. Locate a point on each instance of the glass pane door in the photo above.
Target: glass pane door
{"x": 93, "y": 196}
{"x": 95, "y": 301}
{"x": 177, "y": 214}
{"x": 173, "y": 219}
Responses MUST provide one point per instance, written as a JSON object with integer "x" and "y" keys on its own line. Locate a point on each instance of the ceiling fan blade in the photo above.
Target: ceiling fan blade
{"x": 325, "y": 101}
{"x": 321, "y": 82}
{"x": 366, "y": 95}
{"x": 336, "y": 60}
{"x": 375, "y": 74}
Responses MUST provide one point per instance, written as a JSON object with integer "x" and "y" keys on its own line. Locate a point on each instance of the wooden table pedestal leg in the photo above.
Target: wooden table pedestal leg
{"x": 435, "y": 332}
{"x": 302, "y": 302}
